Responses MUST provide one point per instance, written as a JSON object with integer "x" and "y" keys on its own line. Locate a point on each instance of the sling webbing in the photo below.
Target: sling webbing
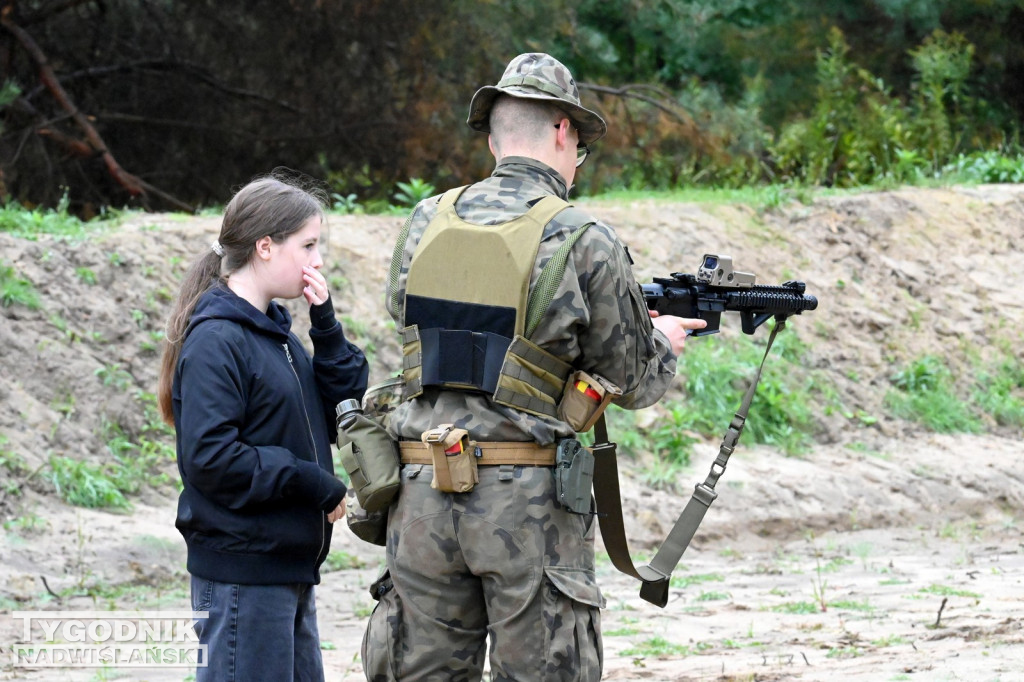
{"x": 655, "y": 576}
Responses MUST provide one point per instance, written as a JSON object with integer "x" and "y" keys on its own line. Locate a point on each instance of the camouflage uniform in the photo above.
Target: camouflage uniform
{"x": 506, "y": 561}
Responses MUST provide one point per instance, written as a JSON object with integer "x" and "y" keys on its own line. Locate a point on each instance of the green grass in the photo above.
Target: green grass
{"x": 684, "y": 581}
{"x": 137, "y": 461}
{"x": 999, "y": 390}
{"x": 717, "y": 372}
{"x": 339, "y": 560}
{"x": 16, "y": 290}
{"x": 657, "y": 647}
{"x": 925, "y": 391}
{"x": 30, "y": 223}
{"x": 946, "y": 591}
{"x": 83, "y": 484}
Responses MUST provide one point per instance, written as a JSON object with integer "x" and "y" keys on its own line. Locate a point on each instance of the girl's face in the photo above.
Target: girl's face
{"x": 284, "y": 266}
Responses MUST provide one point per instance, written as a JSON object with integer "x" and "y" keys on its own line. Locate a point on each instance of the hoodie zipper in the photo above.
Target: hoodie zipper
{"x": 312, "y": 439}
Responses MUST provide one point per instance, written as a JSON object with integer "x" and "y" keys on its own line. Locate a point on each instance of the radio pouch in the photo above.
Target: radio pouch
{"x": 574, "y": 476}
{"x": 370, "y": 457}
{"x": 454, "y": 459}
{"x": 584, "y": 400}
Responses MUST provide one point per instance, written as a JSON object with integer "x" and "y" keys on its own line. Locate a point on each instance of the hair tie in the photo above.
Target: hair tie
{"x": 217, "y": 249}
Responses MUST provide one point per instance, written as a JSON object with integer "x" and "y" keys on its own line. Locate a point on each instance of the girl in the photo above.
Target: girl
{"x": 254, "y": 416}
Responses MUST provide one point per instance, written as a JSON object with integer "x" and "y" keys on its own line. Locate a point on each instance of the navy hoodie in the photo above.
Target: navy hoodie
{"x": 255, "y": 424}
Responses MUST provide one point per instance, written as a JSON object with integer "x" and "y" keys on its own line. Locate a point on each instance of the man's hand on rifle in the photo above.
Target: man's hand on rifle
{"x": 676, "y": 328}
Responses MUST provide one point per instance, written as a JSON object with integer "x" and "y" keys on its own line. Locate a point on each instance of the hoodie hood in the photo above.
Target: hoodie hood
{"x": 220, "y": 303}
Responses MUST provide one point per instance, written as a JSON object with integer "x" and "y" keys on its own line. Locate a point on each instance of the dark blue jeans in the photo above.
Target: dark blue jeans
{"x": 257, "y": 632}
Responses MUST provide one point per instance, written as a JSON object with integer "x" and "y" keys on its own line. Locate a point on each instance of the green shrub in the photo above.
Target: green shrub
{"x": 999, "y": 391}
{"x": 924, "y": 392}
{"x": 717, "y": 373}
{"x": 15, "y": 290}
{"x": 30, "y": 223}
{"x": 85, "y": 485}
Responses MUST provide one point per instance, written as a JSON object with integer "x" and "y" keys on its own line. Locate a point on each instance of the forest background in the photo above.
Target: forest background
{"x": 169, "y": 105}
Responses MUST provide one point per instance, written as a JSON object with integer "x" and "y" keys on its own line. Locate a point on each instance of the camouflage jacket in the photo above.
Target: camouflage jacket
{"x": 597, "y": 321}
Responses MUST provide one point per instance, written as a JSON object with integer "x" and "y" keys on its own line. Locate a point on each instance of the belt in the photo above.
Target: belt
{"x": 490, "y": 453}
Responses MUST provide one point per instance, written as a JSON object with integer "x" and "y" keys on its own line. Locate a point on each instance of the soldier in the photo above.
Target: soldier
{"x": 510, "y": 303}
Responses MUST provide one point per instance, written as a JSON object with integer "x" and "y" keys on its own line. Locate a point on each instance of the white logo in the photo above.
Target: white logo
{"x": 123, "y": 639}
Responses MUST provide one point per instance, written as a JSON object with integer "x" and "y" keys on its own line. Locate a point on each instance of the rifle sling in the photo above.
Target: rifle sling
{"x": 655, "y": 576}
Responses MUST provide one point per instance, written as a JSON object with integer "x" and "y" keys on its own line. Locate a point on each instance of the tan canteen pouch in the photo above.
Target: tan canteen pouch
{"x": 454, "y": 459}
{"x": 585, "y": 399}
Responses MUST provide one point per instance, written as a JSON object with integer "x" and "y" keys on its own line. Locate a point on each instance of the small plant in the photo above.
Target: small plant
{"x": 113, "y": 375}
{"x": 1000, "y": 391}
{"x": 15, "y": 290}
{"x": 86, "y": 275}
{"x": 925, "y": 393}
{"x": 85, "y": 485}
{"x": 657, "y": 647}
{"x": 820, "y": 585}
{"x": 413, "y": 192}
{"x": 346, "y": 204}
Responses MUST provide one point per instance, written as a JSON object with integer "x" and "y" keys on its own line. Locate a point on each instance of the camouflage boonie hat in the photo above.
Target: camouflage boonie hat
{"x": 538, "y": 76}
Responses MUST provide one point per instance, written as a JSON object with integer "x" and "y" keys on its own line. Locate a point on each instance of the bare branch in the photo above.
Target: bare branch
{"x": 134, "y": 185}
{"x": 657, "y": 98}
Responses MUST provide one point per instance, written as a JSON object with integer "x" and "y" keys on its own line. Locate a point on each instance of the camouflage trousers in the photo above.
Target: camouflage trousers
{"x": 503, "y": 562}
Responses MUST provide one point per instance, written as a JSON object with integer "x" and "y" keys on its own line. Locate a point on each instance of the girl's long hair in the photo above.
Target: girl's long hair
{"x": 271, "y": 206}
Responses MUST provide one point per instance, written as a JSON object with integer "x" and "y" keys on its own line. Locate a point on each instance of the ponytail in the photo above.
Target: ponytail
{"x": 196, "y": 282}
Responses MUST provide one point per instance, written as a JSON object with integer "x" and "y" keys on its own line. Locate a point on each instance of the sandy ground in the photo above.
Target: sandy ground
{"x": 884, "y": 553}
{"x": 935, "y": 597}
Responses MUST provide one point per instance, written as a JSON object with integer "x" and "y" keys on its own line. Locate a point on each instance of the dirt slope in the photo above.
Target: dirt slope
{"x": 840, "y": 562}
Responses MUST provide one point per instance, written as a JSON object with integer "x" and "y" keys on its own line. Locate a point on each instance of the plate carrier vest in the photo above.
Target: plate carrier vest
{"x": 469, "y": 310}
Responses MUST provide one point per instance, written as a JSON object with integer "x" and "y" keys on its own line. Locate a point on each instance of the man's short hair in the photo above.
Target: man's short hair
{"x": 522, "y": 118}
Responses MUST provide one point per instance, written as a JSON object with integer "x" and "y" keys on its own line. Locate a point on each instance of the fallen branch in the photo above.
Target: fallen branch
{"x": 135, "y": 186}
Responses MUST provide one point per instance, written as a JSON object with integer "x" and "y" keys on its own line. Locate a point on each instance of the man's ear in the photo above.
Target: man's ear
{"x": 263, "y": 247}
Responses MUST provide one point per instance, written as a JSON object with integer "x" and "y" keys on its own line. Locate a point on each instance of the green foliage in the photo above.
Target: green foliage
{"x": 925, "y": 392}
{"x": 85, "y": 485}
{"x": 657, "y": 647}
{"x": 9, "y": 91}
{"x": 30, "y": 223}
{"x": 942, "y": 62}
{"x": 137, "y": 461}
{"x": 987, "y": 166}
{"x": 338, "y": 560}
{"x": 86, "y": 275}
{"x": 999, "y": 391}
{"x": 413, "y": 192}
{"x": 15, "y": 290}
{"x": 717, "y": 373}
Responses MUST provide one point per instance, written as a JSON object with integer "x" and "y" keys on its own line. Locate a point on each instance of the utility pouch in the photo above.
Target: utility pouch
{"x": 370, "y": 457}
{"x": 574, "y": 476}
{"x": 369, "y": 527}
{"x": 585, "y": 399}
{"x": 454, "y": 459}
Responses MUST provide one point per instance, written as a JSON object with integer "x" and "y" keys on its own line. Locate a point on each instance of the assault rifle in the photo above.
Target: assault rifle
{"x": 717, "y": 288}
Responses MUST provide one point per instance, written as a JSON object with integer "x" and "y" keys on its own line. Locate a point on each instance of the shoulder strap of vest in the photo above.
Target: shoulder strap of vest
{"x": 548, "y": 280}
{"x": 395, "y": 270}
